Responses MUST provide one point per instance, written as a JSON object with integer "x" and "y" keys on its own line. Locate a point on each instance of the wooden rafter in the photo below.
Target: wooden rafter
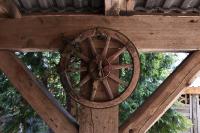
{"x": 36, "y": 94}
{"x": 118, "y": 7}
{"x": 126, "y": 6}
{"x": 158, "y": 103}
{"x": 192, "y": 90}
{"x": 149, "y": 33}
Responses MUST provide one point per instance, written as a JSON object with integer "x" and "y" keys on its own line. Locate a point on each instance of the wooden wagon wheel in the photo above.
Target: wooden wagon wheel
{"x": 93, "y": 60}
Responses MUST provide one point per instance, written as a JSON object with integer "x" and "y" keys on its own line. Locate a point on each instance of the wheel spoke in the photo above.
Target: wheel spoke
{"x": 94, "y": 90}
{"x": 108, "y": 89}
{"x": 94, "y": 52}
{"x": 117, "y": 79}
{"x": 116, "y": 54}
{"x": 82, "y": 56}
{"x": 82, "y": 69}
{"x": 85, "y": 80}
{"x": 105, "y": 50}
{"x": 121, "y": 66}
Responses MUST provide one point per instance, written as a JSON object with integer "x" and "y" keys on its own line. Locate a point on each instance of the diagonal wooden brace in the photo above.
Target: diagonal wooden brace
{"x": 161, "y": 100}
{"x": 37, "y": 95}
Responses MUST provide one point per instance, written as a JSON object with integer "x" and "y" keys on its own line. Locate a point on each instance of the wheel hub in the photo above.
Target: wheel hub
{"x": 99, "y": 68}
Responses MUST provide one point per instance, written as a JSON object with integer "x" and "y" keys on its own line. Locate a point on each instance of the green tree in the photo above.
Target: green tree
{"x": 155, "y": 67}
{"x": 16, "y": 114}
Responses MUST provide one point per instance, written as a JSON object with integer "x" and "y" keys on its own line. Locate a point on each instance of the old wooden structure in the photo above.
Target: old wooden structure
{"x": 190, "y": 108}
{"x": 129, "y": 25}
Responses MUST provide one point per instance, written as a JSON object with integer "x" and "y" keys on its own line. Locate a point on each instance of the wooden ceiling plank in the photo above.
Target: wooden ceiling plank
{"x": 149, "y": 33}
{"x": 161, "y": 100}
{"x": 192, "y": 90}
{"x": 37, "y": 95}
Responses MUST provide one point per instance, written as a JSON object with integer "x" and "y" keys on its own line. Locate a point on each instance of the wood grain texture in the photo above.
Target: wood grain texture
{"x": 130, "y": 5}
{"x": 126, "y": 6}
{"x": 160, "y": 101}
{"x": 104, "y": 120}
{"x": 119, "y": 7}
{"x": 112, "y": 7}
{"x": 195, "y": 114}
{"x": 99, "y": 120}
{"x": 36, "y": 95}
{"x": 149, "y": 33}
{"x": 192, "y": 90}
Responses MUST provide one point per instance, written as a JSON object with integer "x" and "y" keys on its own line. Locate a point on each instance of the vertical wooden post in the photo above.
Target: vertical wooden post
{"x": 190, "y": 103}
{"x": 130, "y": 4}
{"x": 195, "y": 113}
{"x": 116, "y": 7}
{"x": 112, "y": 7}
{"x": 99, "y": 120}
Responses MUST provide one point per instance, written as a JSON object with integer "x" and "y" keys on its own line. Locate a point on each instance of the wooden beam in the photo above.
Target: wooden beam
{"x": 99, "y": 120}
{"x": 36, "y": 95}
{"x": 192, "y": 90}
{"x": 126, "y": 6}
{"x": 130, "y": 4}
{"x": 161, "y": 100}
{"x": 112, "y": 7}
{"x": 149, "y": 33}
{"x": 119, "y": 7}
{"x": 195, "y": 113}
{"x": 103, "y": 120}
{"x": 9, "y": 9}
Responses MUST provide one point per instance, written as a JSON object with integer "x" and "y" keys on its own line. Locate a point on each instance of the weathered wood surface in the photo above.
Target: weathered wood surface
{"x": 195, "y": 114}
{"x": 149, "y": 33}
{"x": 192, "y": 90}
{"x": 112, "y": 7}
{"x": 104, "y": 120}
{"x": 99, "y": 120}
{"x": 184, "y": 109}
{"x": 190, "y": 109}
{"x": 36, "y": 95}
{"x": 118, "y": 7}
{"x": 126, "y": 6}
{"x": 158, "y": 103}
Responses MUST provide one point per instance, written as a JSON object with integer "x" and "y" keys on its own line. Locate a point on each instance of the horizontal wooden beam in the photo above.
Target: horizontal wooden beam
{"x": 149, "y": 33}
{"x": 192, "y": 90}
{"x": 165, "y": 95}
{"x": 36, "y": 95}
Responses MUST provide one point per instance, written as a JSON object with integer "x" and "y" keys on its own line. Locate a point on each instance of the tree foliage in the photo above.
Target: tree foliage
{"x": 155, "y": 67}
{"x": 16, "y": 114}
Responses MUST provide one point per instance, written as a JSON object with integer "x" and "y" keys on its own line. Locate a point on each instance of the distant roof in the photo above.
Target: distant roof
{"x": 168, "y": 6}
{"x": 29, "y": 6}
{"x": 97, "y": 6}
